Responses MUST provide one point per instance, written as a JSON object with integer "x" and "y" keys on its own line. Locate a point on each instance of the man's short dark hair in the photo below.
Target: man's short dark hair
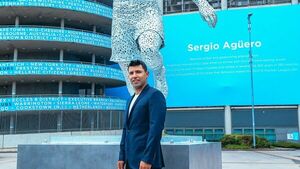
{"x": 137, "y": 63}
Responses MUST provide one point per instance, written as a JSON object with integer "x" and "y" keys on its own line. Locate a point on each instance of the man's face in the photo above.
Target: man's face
{"x": 137, "y": 76}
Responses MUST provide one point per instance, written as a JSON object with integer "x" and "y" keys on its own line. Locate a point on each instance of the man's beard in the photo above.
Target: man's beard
{"x": 139, "y": 85}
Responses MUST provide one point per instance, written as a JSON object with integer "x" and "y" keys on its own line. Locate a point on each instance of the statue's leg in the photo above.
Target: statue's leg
{"x": 124, "y": 67}
{"x": 149, "y": 43}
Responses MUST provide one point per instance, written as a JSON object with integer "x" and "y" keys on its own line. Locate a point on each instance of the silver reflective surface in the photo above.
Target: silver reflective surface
{"x": 112, "y": 140}
{"x": 137, "y": 33}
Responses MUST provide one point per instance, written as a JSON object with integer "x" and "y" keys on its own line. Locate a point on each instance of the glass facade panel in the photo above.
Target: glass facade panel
{"x": 71, "y": 121}
{"x": 48, "y": 121}
{"x": 179, "y": 131}
{"x": 28, "y": 124}
{"x": 237, "y": 131}
{"x": 198, "y": 132}
{"x": 4, "y": 123}
{"x": 189, "y": 131}
{"x": 169, "y": 131}
{"x": 178, "y": 6}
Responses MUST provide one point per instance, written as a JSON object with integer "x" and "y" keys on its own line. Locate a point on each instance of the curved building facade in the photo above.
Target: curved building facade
{"x": 54, "y": 66}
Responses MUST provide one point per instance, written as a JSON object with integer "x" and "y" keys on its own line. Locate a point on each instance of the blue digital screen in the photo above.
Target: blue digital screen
{"x": 60, "y": 103}
{"x": 52, "y": 68}
{"x": 58, "y": 35}
{"x": 210, "y": 67}
{"x": 77, "y": 5}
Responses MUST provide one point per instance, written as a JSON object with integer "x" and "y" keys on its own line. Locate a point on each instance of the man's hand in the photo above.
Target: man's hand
{"x": 207, "y": 12}
{"x": 121, "y": 164}
{"x": 144, "y": 165}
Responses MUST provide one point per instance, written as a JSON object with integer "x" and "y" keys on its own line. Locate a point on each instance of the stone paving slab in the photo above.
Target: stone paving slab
{"x": 260, "y": 160}
{"x": 8, "y": 160}
{"x": 231, "y": 160}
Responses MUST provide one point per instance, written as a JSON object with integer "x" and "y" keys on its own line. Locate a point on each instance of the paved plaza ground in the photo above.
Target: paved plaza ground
{"x": 231, "y": 160}
{"x": 261, "y": 159}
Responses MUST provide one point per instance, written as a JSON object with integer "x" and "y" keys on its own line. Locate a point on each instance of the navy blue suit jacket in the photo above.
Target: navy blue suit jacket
{"x": 143, "y": 129}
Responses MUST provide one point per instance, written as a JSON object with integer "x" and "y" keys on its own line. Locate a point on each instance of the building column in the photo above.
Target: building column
{"x": 62, "y": 23}
{"x": 94, "y": 29}
{"x": 227, "y": 117}
{"x": 224, "y": 4}
{"x": 299, "y": 118}
{"x": 39, "y": 130}
{"x": 103, "y": 90}
{"x": 12, "y": 121}
{"x": 61, "y": 55}
{"x": 17, "y": 21}
{"x": 120, "y": 120}
{"x": 81, "y": 116}
{"x": 294, "y": 2}
{"x": 93, "y": 58}
{"x": 15, "y": 54}
{"x": 93, "y": 89}
{"x": 11, "y": 125}
{"x": 92, "y": 121}
{"x": 110, "y": 119}
{"x": 60, "y": 88}
{"x": 97, "y": 120}
{"x": 59, "y": 121}
{"x": 13, "y": 89}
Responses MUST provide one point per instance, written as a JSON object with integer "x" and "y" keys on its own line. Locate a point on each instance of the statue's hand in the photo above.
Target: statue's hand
{"x": 207, "y": 13}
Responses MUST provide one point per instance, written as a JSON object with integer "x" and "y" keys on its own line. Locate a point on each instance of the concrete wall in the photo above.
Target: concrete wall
{"x": 195, "y": 118}
{"x": 177, "y": 156}
{"x": 281, "y": 133}
{"x": 12, "y": 141}
{"x": 272, "y": 118}
{"x": 265, "y": 118}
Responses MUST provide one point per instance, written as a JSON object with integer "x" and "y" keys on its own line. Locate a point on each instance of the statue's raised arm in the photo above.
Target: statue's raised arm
{"x": 207, "y": 12}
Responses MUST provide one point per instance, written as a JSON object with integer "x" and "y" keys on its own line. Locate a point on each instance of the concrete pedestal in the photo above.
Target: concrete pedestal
{"x": 105, "y": 156}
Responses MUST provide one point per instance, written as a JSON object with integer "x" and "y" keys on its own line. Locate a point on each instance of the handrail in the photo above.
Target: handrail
{"x": 59, "y": 95}
{"x": 116, "y": 73}
{"x": 96, "y": 2}
{"x": 57, "y": 61}
{"x": 52, "y": 27}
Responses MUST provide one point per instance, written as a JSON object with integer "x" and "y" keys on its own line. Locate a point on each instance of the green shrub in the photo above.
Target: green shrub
{"x": 244, "y": 140}
{"x": 286, "y": 144}
{"x": 230, "y": 140}
{"x": 240, "y": 147}
{"x": 262, "y": 143}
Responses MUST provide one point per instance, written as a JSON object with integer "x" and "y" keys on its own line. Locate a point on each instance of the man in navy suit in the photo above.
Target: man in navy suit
{"x": 143, "y": 123}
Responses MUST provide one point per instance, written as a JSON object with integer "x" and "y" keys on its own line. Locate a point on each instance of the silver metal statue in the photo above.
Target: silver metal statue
{"x": 137, "y": 33}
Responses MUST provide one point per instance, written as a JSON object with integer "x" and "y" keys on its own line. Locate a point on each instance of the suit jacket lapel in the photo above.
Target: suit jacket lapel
{"x": 137, "y": 100}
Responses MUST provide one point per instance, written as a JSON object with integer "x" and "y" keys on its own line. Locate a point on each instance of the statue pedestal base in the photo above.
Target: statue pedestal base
{"x": 189, "y": 155}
